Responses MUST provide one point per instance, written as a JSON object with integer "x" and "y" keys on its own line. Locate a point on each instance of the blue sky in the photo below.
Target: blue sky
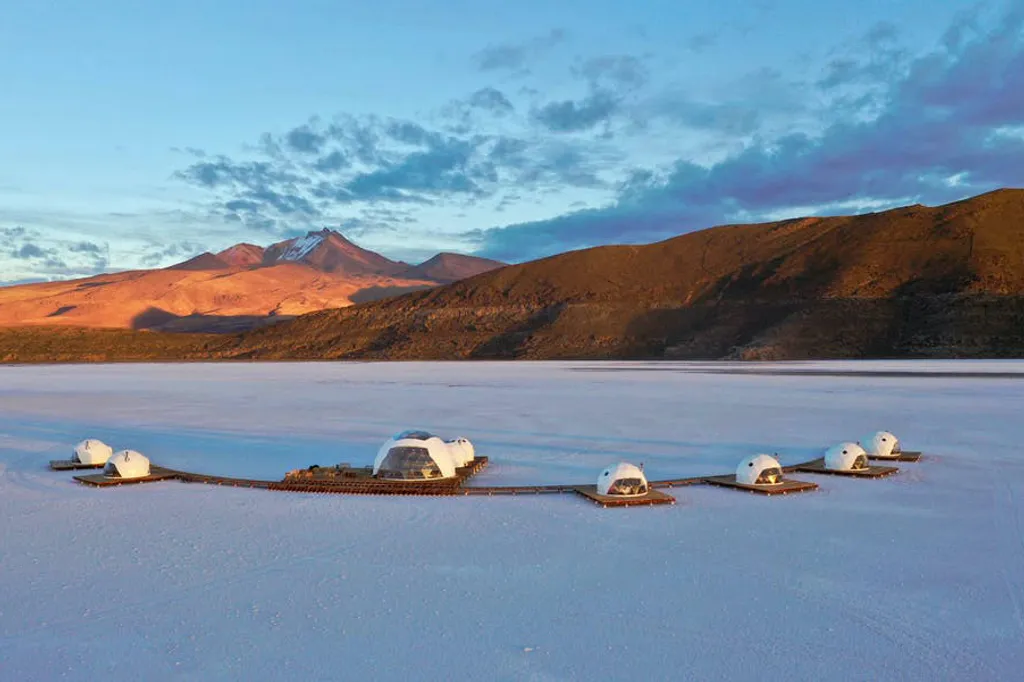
{"x": 136, "y": 134}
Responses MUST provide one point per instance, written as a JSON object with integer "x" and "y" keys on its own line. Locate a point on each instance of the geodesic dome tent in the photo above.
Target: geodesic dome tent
{"x": 92, "y": 451}
{"x": 759, "y": 470}
{"x": 846, "y": 457}
{"x": 420, "y": 455}
{"x": 882, "y": 444}
{"x": 622, "y": 479}
{"x": 127, "y": 464}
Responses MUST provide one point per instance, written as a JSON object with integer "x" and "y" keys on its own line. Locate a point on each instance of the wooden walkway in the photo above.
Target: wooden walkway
{"x": 902, "y": 457}
{"x": 71, "y": 465}
{"x": 364, "y": 484}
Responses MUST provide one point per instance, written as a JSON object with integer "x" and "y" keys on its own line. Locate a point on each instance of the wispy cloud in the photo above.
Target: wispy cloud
{"x": 516, "y": 57}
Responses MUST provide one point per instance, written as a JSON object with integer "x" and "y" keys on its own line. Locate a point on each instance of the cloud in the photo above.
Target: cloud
{"x": 618, "y": 72}
{"x": 941, "y": 129}
{"x": 700, "y": 42}
{"x": 491, "y": 100}
{"x": 348, "y": 166}
{"x": 516, "y": 56}
{"x": 36, "y": 257}
{"x": 570, "y": 116}
{"x": 305, "y": 140}
{"x": 28, "y": 251}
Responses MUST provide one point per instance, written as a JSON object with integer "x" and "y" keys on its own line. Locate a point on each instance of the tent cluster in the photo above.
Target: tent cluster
{"x": 762, "y": 470}
{"x": 420, "y": 455}
{"x": 123, "y": 464}
{"x": 850, "y": 456}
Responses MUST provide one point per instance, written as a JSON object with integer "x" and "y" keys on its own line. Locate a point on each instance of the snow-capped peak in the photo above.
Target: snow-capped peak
{"x": 302, "y": 246}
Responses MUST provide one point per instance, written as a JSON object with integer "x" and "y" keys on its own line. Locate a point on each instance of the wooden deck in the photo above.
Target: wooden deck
{"x": 902, "y": 457}
{"x": 71, "y": 465}
{"x": 817, "y": 466}
{"x": 101, "y": 481}
{"x": 652, "y": 497}
{"x": 786, "y": 487}
{"x": 360, "y": 481}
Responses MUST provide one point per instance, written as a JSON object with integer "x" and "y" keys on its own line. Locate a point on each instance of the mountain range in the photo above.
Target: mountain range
{"x": 241, "y": 287}
{"x": 916, "y": 281}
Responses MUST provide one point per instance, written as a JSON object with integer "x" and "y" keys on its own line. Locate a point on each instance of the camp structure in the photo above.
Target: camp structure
{"x": 420, "y": 455}
{"x": 89, "y": 454}
{"x": 622, "y": 479}
{"x": 623, "y": 485}
{"x": 846, "y": 459}
{"x": 761, "y": 474}
{"x": 127, "y": 466}
{"x": 884, "y": 445}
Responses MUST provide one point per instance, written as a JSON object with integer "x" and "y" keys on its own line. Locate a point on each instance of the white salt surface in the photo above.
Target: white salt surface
{"x": 919, "y": 576}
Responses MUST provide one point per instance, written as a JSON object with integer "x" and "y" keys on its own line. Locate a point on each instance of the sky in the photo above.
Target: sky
{"x": 138, "y": 134}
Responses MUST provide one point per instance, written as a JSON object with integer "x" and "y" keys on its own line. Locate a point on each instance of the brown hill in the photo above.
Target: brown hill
{"x": 451, "y": 267}
{"x": 914, "y": 281}
{"x": 242, "y": 255}
{"x": 204, "y": 261}
{"x": 177, "y": 299}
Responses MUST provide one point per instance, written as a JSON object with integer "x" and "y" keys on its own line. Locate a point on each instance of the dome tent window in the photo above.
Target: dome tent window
{"x": 408, "y": 463}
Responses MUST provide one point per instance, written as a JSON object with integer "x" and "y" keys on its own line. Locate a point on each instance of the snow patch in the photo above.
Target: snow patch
{"x": 302, "y": 247}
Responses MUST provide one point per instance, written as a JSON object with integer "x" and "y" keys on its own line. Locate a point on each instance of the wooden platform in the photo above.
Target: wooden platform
{"x": 71, "y": 465}
{"x": 652, "y": 497}
{"x": 786, "y": 487}
{"x": 101, "y": 481}
{"x": 902, "y": 457}
{"x": 817, "y": 466}
{"x": 360, "y": 481}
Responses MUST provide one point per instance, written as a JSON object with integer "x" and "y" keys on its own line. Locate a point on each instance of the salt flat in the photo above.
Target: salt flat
{"x": 919, "y": 576}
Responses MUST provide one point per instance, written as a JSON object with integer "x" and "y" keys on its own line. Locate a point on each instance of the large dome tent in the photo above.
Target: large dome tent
{"x": 846, "y": 457}
{"x": 127, "y": 464}
{"x": 415, "y": 455}
{"x": 92, "y": 451}
{"x": 622, "y": 479}
{"x": 759, "y": 470}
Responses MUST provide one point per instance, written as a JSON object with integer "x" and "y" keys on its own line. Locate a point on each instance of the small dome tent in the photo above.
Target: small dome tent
{"x": 622, "y": 479}
{"x": 759, "y": 470}
{"x": 127, "y": 464}
{"x": 846, "y": 457}
{"x": 882, "y": 445}
{"x": 92, "y": 451}
{"x": 461, "y": 451}
{"x": 415, "y": 455}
